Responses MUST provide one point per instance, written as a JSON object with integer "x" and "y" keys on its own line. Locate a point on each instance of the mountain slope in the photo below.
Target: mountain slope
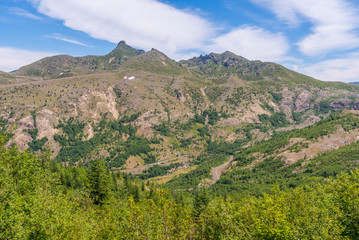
{"x": 134, "y": 108}
{"x": 6, "y": 78}
{"x": 65, "y": 66}
{"x": 304, "y": 156}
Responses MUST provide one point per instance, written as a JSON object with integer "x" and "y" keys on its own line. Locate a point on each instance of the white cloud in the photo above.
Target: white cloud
{"x": 340, "y": 69}
{"x": 13, "y": 58}
{"x": 334, "y": 23}
{"x": 58, "y": 36}
{"x": 253, "y": 43}
{"x": 23, "y": 13}
{"x": 151, "y": 24}
{"x": 142, "y": 23}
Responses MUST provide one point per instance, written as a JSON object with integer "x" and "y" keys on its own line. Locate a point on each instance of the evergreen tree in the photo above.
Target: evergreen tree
{"x": 201, "y": 200}
{"x": 99, "y": 180}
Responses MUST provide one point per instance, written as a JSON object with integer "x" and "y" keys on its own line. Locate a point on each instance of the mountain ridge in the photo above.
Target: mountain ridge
{"x": 134, "y": 108}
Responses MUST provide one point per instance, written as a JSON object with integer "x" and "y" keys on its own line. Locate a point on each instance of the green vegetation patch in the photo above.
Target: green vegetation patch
{"x": 109, "y": 136}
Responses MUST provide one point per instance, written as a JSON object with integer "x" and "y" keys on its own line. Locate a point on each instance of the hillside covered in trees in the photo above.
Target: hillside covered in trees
{"x": 42, "y": 199}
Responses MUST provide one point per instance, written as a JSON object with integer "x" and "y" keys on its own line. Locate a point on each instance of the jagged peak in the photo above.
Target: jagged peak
{"x": 123, "y": 46}
{"x": 156, "y": 53}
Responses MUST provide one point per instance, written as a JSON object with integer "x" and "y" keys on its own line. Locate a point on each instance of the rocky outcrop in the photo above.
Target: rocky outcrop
{"x": 302, "y": 102}
{"x": 287, "y": 103}
{"x": 180, "y": 96}
{"x": 91, "y": 104}
{"x": 45, "y": 122}
{"x": 146, "y": 121}
{"x": 21, "y": 137}
{"x": 340, "y": 104}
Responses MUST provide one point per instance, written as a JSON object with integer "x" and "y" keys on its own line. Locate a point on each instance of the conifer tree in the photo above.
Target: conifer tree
{"x": 99, "y": 180}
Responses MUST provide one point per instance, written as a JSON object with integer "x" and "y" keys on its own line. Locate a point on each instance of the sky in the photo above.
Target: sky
{"x": 318, "y": 38}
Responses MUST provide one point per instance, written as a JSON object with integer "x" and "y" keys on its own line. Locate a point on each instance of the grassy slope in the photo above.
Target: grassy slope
{"x": 262, "y": 175}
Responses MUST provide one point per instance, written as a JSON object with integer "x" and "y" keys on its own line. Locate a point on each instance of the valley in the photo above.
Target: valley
{"x": 134, "y": 145}
{"x": 104, "y": 106}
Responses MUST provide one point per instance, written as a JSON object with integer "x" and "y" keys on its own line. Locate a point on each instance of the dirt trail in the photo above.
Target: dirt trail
{"x": 217, "y": 171}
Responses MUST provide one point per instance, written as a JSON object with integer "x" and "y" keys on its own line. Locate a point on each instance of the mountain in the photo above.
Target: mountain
{"x": 227, "y": 64}
{"x": 65, "y": 65}
{"x": 141, "y": 111}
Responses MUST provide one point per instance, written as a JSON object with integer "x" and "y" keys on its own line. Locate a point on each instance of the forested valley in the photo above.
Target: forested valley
{"x": 43, "y": 199}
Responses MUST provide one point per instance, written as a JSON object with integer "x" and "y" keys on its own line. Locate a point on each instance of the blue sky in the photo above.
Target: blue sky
{"x": 319, "y": 38}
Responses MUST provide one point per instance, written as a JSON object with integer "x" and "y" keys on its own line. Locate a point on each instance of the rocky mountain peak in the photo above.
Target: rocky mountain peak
{"x": 122, "y": 48}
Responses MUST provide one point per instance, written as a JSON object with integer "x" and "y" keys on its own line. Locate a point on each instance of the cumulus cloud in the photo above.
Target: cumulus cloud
{"x": 253, "y": 43}
{"x": 340, "y": 69}
{"x": 142, "y": 23}
{"x": 14, "y": 58}
{"x": 151, "y": 24}
{"x": 334, "y": 23}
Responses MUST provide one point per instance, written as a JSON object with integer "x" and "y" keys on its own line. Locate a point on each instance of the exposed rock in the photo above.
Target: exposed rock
{"x": 88, "y": 131}
{"x": 341, "y": 104}
{"x": 146, "y": 121}
{"x": 26, "y": 122}
{"x": 231, "y": 137}
{"x": 45, "y": 122}
{"x": 303, "y": 99}
{"x": 180, "y": 96}
{"x": 22, "y": 138}
{"x": 228, "y": 122}
{"x": 93, "y": 103}
{"x": 333, "y": 141}
{"x": 287, "y": 103}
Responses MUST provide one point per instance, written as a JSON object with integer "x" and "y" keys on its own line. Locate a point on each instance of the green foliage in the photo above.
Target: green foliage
{"x": 296, "y": 116}
{"x": 128, "y": 119}
{"x": 33, "y": 114}
{"x": 5, "y": 134}
{"x": 324, "y": 107}
{"x": 212, "y": 115}
{"x": 162, "y": 128}
{"x": 158, "y": 170}
{"x": 193, "y": 178}
{"x": 99, "y": 181}
{"x": 110, "y": 133}
{"x": 224, "y": 147}
{"x": 33, "y": 133}
{"x": 277, "y": 119}
{"x": 203, "y": 131}
{"x": 346, "y": 192}
{"x": 277, "y": 97}
{"x": 36, "y": 145}
{"x": 41, "y": 199}
{"x": 200, "y": 201}
{"x": 72, "y": 129}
